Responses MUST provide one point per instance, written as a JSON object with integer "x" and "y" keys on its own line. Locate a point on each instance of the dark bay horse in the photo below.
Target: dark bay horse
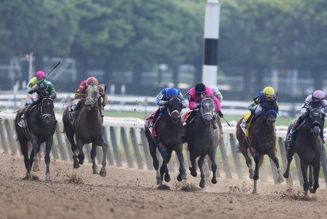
{"x": 308, "y": 145}
{"x": 41, "y": 124}
{"x": 261, "y": 140}
{"x": 203, "y": 140}
{"x": 170, "y": 131}
{"x": 87, "y": 128}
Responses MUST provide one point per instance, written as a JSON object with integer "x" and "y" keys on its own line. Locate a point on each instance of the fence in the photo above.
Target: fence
{"x": 127, "y": 146}
{"x": 139, "y": 103}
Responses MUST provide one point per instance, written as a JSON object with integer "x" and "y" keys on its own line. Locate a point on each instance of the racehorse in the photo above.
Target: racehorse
{"x": 261, "y": 140}
{"x": 203, "y": 139}
{"x": 170, "y": 132}
{"x": 308, "y": 145}
{"x": 41, "y": 125}
{"x": 87, "y": 127}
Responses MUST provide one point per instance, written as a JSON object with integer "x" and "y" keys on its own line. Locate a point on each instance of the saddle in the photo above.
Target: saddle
{"x": 246, "y": 117}
{"x": 186, "y": 116}
{"x": 148, "y": 122}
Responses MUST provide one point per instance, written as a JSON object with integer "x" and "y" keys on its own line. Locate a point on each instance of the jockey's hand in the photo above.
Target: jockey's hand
{"x": 220, "y": 114}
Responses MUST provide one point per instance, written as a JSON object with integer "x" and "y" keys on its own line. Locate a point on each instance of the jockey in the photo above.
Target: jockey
{"x": 39, "y": 87}
{"x": 195, "y": 96}
{"x": 316, "y": 100}
{"x": 218, "y": 94}
{"x": 81, "y": 92}
{"x": 257, "y": 105}
{"x": 162, "y": 99}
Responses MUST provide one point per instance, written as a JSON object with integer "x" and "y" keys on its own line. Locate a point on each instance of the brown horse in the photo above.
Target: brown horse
{"x": 261, "y": 140}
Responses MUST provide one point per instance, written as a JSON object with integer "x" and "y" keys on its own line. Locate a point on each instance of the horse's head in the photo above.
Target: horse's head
{"x": 174, "y": 108}
{"x": 270, "y": 111}
{"x": 314, "y": 120}
{"x": 47, "y": 113}
{"x": 207, "y": 109}
{"x": 92, "y": 96}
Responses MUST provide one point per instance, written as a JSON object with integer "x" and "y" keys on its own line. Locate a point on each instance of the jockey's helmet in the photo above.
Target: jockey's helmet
{"x": 269, "y": 92}
{"x": 92, "y": 81}
{"x": 172, "y": 92}
{"x": 318, "y": 96}
{"x": 40, "y": 75}
{"x": 200, "y": 88}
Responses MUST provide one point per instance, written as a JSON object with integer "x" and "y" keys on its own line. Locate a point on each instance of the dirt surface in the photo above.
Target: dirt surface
{"x": 130, "y": 193}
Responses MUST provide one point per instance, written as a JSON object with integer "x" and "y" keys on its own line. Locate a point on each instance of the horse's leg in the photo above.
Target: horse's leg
{"x": 165, "y": 157}
{"x": 34, "y": 150}
{"x": 93, "y": 154}
{"x": 182, "y": 172}
{"x": 70, "y": 135}
{"x": 155, "y": 161}
{"x": 244, "y": 151}
{"x": 24, "y": 149}
{"x": 316, "y": 170}
{"x": 103, "y": 171}
{"x": 48, "y": 146}
{"x": 167, "y": 176}
{"x": 200, "y": 163}
{"x": 304, "y": 169}
{"x": 212, "y": 156}
{"x": 80, "y": 151}
{"x": 289, "y": 156}
{"x": 276, "y": 162}
{"x": 310, "y": 177}
{"x": 192, "y": 168}
{"x": 257, "y": 157}
{"x": 37, "y": 158}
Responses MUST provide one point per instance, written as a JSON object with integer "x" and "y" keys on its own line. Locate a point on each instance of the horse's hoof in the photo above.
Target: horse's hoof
{"x": 27, "y": 177}
{"x": 181, "y": 177}
{"x": 81, "y": 162}
{"x": 280, "y": 179}
{"x": 95, "y": 171}
{"x": 36, "y": 168}
{"x": 103, "y": 173}
{"x": 76, "y": 165}
{"x": 48, "y": 178}
{"x": 214, "y": 180}
{"x": 286, "y": 175}
{"x": 202, "y": 184}
{"x": 255, "y": 177}
{"x": 193, "y": 172}
{"x": 167, "y": 177}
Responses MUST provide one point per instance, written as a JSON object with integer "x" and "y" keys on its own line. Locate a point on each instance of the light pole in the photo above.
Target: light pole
{"x": 211, "y": 38}
{"x": 29, "y": 57}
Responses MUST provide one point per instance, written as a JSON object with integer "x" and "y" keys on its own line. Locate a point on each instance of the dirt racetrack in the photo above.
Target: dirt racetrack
{"x": 127, "y": 193}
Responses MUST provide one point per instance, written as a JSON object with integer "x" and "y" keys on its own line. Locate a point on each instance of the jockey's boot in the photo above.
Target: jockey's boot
{"x": 22, "y": 122}
{"x": 154, "y": 119}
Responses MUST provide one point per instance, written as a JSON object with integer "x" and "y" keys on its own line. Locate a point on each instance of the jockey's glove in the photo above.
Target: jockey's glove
{"x": 220, "y": 114}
